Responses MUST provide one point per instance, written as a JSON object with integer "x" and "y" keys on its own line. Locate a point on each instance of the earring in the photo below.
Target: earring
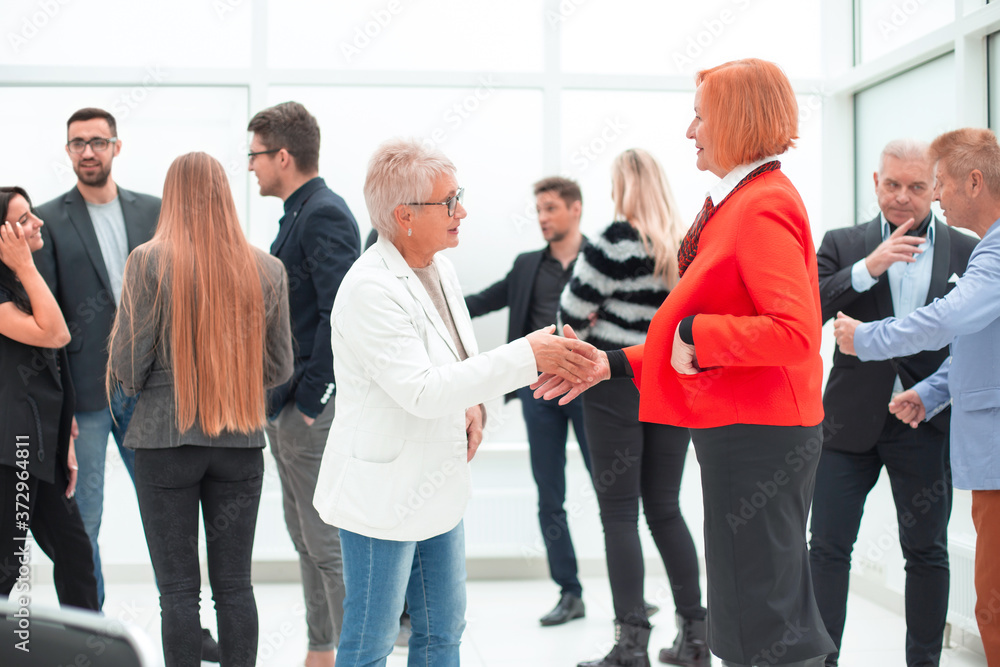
{"x": 409, "y": 231}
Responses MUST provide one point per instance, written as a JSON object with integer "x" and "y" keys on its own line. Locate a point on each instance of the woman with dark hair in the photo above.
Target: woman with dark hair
{"x": 733, "y": 354}
{"x": 202, "y": 330}
{"x": 37, "y": 463}
{"x": 619, "y": 281}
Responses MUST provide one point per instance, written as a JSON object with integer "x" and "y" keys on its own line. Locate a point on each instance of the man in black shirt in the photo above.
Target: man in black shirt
{"x": 531, "y": 290}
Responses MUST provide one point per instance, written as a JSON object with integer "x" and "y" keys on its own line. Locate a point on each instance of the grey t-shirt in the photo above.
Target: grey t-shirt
{"x": 109, "y": 224}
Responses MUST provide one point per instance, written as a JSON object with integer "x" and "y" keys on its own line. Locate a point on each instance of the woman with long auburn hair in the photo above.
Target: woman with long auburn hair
{"x": 619, "y": 281}
{"x": 202, "y": 331}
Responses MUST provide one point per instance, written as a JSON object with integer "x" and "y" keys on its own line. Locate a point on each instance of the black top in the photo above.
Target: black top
{"x": 36, "y": 406}
{"x": 550, "y": 281}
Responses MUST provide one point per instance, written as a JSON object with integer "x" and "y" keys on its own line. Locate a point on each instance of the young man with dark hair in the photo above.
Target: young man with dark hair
{"x": 531, "y": 290}
{"x": 318, "y": 241}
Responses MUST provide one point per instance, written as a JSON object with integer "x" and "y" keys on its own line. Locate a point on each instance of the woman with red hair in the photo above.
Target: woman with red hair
{"x": 733, "y": 354}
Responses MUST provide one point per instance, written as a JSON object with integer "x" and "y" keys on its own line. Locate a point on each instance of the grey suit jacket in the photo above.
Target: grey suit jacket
{"x": 72, "y": 264}
{"x": 141, "y": 363}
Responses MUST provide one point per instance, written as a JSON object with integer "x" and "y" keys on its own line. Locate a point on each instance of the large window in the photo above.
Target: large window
{"x": 886, "y": 25}
{"x": 680, "y": 38}
{"x": 906, "y": 106}
{"x": 160, "y": 36}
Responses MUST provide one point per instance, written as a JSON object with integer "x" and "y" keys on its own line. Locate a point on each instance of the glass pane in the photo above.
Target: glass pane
{"x": 154, "y": 36}
{"x": 494, "y": 137}
{"x": 660, "y": 38}
{"x": 888, "y": 24}
{"x": 153, "y": 131}
{"x": 467, "y": 35}
{"x": 926, "y": 117}
{"x": 596, "y": 127}
{"x": 993, "y": 48}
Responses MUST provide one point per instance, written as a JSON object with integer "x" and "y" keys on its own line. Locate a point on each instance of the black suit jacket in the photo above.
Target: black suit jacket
{"x": 318, "y": 241}
{"x": 72, "y": 264}
{"x": 513, "y": 291}
{"x": 858, "y": 392}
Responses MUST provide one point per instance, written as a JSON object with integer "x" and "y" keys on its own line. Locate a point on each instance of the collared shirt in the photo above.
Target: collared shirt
{"x": 550, "y": 281}
{"x": 109, "y": 225}
{"x": 719, "y": 191}
{"x": 909, "y": 282}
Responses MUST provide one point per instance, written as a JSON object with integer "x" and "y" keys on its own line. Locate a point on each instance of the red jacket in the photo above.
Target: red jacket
{"x": 755, "y": 291}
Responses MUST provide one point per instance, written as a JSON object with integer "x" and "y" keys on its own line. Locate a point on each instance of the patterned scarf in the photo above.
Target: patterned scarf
{"x": 689, "y": 246}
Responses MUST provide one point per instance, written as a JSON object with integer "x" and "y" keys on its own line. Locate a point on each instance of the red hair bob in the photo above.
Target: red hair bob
{"x": 750, "y": 110}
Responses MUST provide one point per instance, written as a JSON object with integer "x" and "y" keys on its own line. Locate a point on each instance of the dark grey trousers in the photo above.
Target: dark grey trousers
{"x": 298, "y": 450}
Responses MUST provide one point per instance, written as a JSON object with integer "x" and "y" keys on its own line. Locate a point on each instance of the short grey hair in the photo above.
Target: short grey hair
{"x": 904, "y": 149}
{"x": 401, "y": 171}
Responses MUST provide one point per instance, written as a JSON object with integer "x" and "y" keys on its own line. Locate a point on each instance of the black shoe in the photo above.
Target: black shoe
{"x": 629, "y": 650}
{"x": 690, "y": 647}
{"x": 650, "y": 608}
{"x": 569, "y": 607}
{"x": 209, "y": 647}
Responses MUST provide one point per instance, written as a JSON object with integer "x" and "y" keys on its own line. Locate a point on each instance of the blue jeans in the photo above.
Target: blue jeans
{"x": 91, "y": 450}
{"x": 379, "y": 575}
{"x": 548, "y": 426}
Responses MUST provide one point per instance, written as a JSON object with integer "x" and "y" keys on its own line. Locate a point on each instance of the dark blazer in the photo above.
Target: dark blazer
{"x": 72, "y": 264}
{"x": 141, "y": 362}
{"x": 858, "y": 392}
{"x": 35, "y": 389}
{"x": 318, "y": 241}
{"x": 513, "y": 291}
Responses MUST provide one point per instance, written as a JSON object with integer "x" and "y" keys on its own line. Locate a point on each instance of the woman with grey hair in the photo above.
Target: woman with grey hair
{"x": 410, "y": 412}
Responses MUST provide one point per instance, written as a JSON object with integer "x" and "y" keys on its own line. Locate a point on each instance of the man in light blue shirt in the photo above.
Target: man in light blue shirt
{"x": 889, "y": 266}
{"x": 967, "y": 319}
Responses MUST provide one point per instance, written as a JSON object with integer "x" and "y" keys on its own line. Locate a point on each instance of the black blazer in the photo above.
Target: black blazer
{"x": 72, "y": 264}
{"x": 513, "y": 291}
{"x": 858, "y": 392}
{"x": 318, "y": 241}
{"x": 37, "y": 401}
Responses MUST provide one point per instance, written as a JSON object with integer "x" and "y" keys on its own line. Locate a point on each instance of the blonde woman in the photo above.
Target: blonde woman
{"x": 618, "y": 283}
{"x": 202, "y": 330}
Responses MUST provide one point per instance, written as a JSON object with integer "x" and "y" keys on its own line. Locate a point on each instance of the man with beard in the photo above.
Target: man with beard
{"x": 89, "y": 233}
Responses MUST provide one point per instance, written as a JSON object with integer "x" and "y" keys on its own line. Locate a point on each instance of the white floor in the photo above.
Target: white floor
{"x": 503, "y": 629}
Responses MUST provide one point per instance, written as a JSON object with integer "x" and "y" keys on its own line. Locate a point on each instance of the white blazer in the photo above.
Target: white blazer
{"x": 395, "y": 461}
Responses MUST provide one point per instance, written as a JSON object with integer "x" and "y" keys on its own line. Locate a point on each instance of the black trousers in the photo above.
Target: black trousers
{"x": 917, "y": 462}
{"x": 57, "y": 529}
{"x": 757, "y": 482}
{"x": 226, "y": 482}
{"x": 548, "y": 423}
{"x": 632, "y": 460}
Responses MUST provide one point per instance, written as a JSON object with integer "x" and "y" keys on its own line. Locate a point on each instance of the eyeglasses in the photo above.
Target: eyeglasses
{"x": 451, "y": 202}
{"x": 99, "y": 144}
{"x": 252, "y": 154}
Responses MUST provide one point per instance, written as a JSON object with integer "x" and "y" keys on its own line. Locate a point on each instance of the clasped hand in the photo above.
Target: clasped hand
{"x": 576, "y": 366}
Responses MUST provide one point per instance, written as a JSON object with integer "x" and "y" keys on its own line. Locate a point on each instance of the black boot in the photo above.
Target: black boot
{"x": 631, "y": 642}
{"x": 690, "y": 648}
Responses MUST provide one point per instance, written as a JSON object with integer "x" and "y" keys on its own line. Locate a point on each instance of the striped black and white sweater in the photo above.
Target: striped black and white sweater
{"x": 613, "y": 277}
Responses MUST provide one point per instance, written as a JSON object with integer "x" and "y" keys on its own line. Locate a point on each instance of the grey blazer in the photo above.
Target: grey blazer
{"x": 141, "y": 364}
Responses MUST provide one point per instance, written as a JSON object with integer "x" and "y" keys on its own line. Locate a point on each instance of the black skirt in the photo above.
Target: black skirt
{"x": 757, "y": 484}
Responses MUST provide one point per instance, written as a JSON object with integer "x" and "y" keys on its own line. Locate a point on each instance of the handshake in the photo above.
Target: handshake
{"x": 568, "y": 365}
{"x": 907, "y": 406}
